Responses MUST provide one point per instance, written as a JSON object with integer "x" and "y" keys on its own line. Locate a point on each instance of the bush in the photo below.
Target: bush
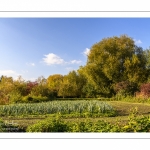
{"x": 125, "y": 88}
{"x": 144, "y": 90}
{"x": 58, "y": 125}
{"x": 16, "y": 97}
{"x": 34, "y": 99}
{"x": 49, "y": 125}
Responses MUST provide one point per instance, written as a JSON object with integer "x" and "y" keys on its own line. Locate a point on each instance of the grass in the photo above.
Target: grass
{"x": 123, "y": 108}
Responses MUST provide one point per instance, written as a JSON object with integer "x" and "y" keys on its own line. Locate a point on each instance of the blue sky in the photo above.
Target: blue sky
{"x": 34, "y": 47}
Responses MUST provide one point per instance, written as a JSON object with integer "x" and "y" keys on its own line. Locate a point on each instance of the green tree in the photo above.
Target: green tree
{"x": 41, "y": 88}
{"x": 18, "y": 91}
{"x": 71, "y": 85}
{"x": 111, "y": 61}
{"x": 54, "y": 82}
{"x": 147, "y": 57}
{"x": 6, "y": 86}
{"x": 135, "y": 70}
{"x": 20, "y": 86}
{"x": 85, "y": 87}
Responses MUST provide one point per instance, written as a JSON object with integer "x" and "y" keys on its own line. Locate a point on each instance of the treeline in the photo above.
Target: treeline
{"x": 55, "y": 86}
{"x": 115, "y": 65}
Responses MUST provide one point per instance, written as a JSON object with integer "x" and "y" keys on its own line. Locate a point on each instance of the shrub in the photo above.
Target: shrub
{"x": 125, "y": 88}
{"x": 58, "y": 125}
{"x": 49, "y": 125}
{"x": 34, "y": 99}
{"x": 137, "y": 123}
{"x": 144, "y": 91}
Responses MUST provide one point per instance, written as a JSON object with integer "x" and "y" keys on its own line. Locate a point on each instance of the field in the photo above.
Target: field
{"x": 76, "y": 116}
{"x": 62, "y": 107}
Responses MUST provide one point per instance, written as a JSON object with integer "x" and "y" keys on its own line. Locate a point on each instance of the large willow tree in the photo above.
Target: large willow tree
{"x": 113, "y": 60}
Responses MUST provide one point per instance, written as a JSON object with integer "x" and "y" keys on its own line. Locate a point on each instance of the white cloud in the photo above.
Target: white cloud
{"x": 9, "y": 73}
{"x": 30, "y": 64}
{"x": 52, "y": 59}
{"x": 86, "y": 52}
{"x": 75, "y": 61}
{"x": 137, "y": 41}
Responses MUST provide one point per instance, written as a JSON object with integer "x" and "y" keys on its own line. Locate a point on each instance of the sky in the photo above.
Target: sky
{"x": 34, "y": 47}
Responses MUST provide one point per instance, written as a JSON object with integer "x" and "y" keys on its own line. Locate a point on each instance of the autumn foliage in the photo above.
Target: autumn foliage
{"x": 144, "y": 91}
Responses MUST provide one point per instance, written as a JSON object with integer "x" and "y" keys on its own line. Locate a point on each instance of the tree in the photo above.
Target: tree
{"x": 41, "y": 88}
{"x": 85, "y": 87}
{"x": 20, "y": 86}
{"x": 54, "y": 82}
{"x": 135, "y": 70}
{"x": 112, "y": 60}
{"x": 71, "y": 85}
{"x": 41, "y": 81}
{"x": 147, "y": 57}
{"x": 6, "y": 86}
{"x": 30, "y": 86}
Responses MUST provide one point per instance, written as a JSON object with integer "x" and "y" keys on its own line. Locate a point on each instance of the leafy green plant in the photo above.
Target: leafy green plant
{"x": 64, "y": 107}
{"x": 49, "y": 125}
{"x": 137, "y": 123}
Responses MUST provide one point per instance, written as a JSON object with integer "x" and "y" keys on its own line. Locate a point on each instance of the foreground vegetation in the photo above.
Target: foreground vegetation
{"x": 134, "y": 124}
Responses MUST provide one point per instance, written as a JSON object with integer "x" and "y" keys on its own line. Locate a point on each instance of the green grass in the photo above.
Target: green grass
{"x": 123, "y": 108}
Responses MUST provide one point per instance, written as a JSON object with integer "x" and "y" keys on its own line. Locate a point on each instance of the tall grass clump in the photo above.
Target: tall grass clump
{"x": 53, "y": 107}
